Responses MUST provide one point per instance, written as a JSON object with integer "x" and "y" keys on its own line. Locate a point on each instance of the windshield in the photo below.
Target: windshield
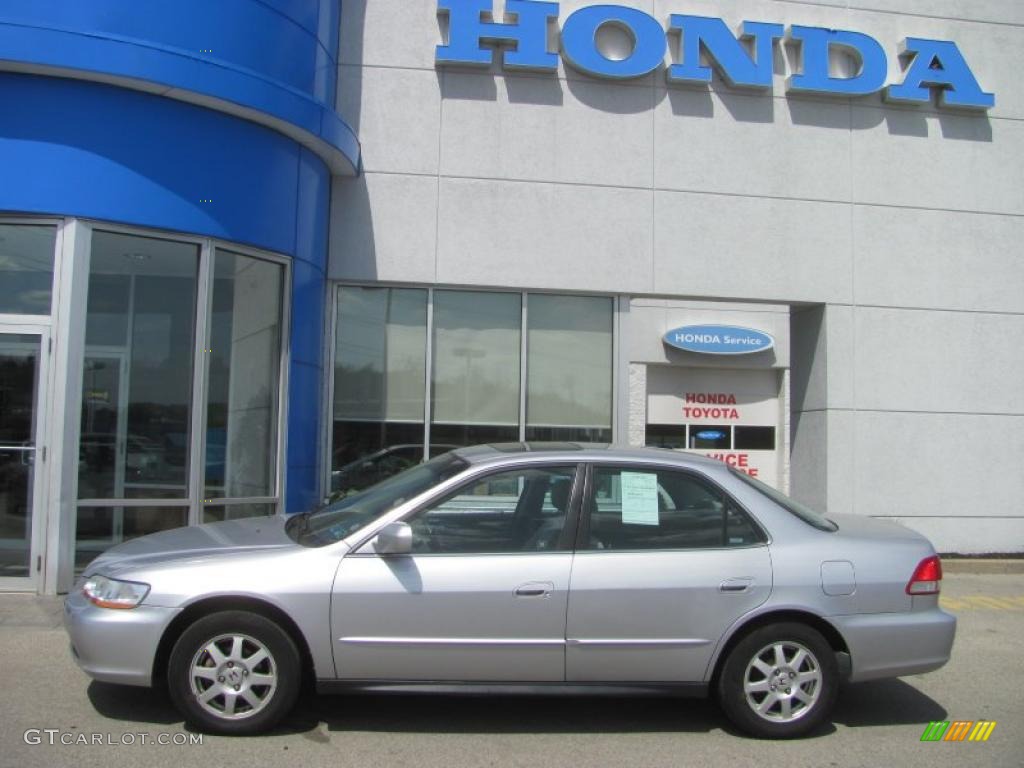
{"x": 806, "y": 514}
{"x": 338, "y": 520}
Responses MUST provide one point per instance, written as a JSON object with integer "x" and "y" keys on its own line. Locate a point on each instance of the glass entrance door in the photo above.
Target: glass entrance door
{"x": 21, "y": 381}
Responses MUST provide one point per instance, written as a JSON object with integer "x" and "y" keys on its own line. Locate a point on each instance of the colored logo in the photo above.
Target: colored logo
{"x": 710, "y": 434}
{"x": 719, "y": 339}
{"x": 959, "y": 730}
{"x": 620, "y": 43}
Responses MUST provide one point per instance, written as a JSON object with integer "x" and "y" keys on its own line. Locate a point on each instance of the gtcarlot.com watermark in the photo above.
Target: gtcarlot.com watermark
{"x": 55, "y": 736}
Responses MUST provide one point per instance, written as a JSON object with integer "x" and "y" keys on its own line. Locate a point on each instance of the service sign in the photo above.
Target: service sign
{"x": 616, "y": 42}
{"x": 719, "y": 339}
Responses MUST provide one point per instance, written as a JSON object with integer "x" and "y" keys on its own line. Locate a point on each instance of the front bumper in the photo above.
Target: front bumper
{"x": 115, "y": 646}
{"x": 896, "y": 644}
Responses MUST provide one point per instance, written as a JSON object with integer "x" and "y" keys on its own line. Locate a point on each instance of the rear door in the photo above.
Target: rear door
{"x": 665, "y": 563}
{"x": 481, "y": 598}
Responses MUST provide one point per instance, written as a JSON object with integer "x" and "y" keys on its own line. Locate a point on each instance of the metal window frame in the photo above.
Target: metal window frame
{"x": 331, "y": 328}
{"x": 63, "y": 333}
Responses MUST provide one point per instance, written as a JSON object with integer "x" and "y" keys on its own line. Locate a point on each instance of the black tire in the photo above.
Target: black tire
{"x": 810, "y": 699}
{"x": 229, "y": 682}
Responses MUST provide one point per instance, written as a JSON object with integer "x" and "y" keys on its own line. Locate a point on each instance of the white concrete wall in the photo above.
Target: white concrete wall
{"x": 902, "y": 225}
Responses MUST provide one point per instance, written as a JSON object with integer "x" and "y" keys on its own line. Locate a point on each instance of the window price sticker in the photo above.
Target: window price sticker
{"x": 639, "y": 498}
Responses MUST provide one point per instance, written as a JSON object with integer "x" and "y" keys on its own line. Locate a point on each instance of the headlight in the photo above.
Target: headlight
{"x": 111, "y": 593}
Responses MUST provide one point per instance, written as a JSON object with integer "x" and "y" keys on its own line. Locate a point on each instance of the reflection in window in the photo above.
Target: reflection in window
{"x": 137, "y": 380}
{"x": 19, "y": 382}
{"x": 26, "y": 268}
{"x": 666, "y": 436}
{"x": 216, "y": 513}
{"x": 244, "y": 377}
{"x": 475, "y": 387}
{"x": 569, "y": 368}
{"x": 379, "y": 384}
{"x": 754, "y": 438}
{"x": 99, "y": 528}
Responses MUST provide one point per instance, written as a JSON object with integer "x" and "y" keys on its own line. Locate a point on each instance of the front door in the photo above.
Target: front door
{"x": 23, "y": 354}
{"x": 482, "y": 597}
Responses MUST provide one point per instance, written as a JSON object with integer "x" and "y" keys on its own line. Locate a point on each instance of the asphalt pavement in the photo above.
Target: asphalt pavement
{"x": 51, "y": 714}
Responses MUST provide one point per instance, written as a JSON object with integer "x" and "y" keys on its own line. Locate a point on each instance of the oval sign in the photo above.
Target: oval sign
{"x": 719, "y": 339}
{"x": 709, "y": 434}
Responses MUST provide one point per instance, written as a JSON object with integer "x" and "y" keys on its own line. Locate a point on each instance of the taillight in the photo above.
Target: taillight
{"x": 927, "y": 577}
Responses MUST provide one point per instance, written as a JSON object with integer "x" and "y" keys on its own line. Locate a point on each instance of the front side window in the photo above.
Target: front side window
{"x": 358, "y": 509}
{"x": 522, "y": 510}
{"x": 641, "y": 509}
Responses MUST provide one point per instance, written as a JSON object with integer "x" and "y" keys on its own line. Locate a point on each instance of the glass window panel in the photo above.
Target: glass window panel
{"x": 476, "y": 360}
{"x": 366, "y": 452}
{"x": 568, "y": 434}
{"x": 380, "y": 354}
{"x": 220, "y": 512}
{"x": 99, "y": 528}
{"x": 26, "y": 268}
{"x": 521, "y": 510}
{"x": 637, "y": 509}
{"x": 244, "y": 376}
{"x": 666, "y": 436}
{"x": 137, "y": 380}
{"x": 444, "y": 437}
{"x": 569, "y": 362}
{"x": 379, "y": 382}
{"x": 754, "y": 438}
{"x": 19, "y": 380}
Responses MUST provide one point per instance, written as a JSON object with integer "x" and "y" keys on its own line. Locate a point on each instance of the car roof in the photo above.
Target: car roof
{"x": 573, "y": 451}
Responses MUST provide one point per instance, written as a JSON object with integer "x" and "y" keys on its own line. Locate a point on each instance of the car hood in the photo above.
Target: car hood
{"x": 193, "y": 542}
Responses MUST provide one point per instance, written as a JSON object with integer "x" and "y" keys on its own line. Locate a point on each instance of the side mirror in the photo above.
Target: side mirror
{"x": 394, "y": 539}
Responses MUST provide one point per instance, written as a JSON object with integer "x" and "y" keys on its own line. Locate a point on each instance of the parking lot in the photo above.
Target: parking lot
{"x": 875, "y": 724}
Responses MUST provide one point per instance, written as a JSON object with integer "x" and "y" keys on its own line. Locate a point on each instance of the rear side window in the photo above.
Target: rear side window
{"x": 806, "y": 514}
{"x": 635, "y": 508}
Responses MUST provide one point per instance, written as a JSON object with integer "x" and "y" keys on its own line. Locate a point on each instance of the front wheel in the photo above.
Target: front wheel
{"x": 234, "y": 673}
{"x": 780, "y": 681}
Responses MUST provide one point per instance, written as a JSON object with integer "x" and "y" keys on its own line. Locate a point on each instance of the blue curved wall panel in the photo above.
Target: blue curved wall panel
{"x": 76, "y": 148}
{"x": 275, "y": 58}
{"x": 214, "y": 117}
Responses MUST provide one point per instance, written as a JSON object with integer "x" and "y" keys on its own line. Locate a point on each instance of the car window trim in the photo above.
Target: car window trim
{"x": 588, "y": 503}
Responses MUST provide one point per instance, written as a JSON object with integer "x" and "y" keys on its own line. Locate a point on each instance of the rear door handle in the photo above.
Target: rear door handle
{"x": 535, "y": 589}
{"x": 735, "y": 585}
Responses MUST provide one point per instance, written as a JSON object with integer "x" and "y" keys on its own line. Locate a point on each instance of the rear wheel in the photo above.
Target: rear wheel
{"x": 780, "y": 681}
{"x": 234, "y": 673}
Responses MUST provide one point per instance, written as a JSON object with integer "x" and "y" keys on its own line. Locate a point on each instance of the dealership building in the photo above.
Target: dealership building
{"x": 256, "y": 251}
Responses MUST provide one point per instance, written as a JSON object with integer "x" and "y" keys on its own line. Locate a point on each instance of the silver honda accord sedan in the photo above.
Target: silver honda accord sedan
{"x": 521, "y": 568}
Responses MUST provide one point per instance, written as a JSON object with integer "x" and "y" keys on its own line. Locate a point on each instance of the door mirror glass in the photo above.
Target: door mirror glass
{"x": 394, "y": 539}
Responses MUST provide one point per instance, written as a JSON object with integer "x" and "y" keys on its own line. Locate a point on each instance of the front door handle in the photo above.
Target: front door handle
{"x": 535, "y": 589}
{"x": 735, "y": 585}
